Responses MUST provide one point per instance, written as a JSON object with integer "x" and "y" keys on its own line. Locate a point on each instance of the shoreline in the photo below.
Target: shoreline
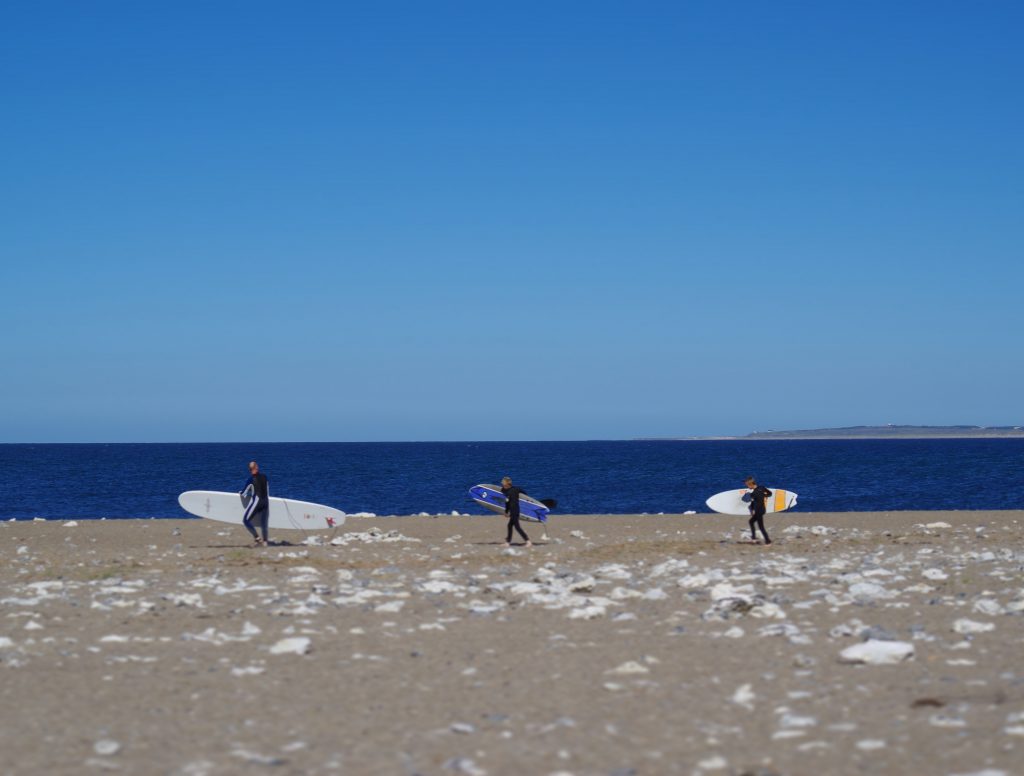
{"x": 553, "y": 520}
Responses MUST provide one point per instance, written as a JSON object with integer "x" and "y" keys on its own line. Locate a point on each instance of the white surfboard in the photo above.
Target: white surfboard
{"x": 285, "y": 513}
{"x": 737, "y": 502}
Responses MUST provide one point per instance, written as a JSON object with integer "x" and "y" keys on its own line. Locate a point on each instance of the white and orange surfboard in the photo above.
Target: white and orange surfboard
{"x": 737, "y": 502}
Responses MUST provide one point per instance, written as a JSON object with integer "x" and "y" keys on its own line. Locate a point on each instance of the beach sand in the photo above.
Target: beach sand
{"x": 623, "y": 645}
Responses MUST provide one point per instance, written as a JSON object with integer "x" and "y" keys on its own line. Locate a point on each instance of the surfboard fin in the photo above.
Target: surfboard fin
{"x": 550, "y": 503}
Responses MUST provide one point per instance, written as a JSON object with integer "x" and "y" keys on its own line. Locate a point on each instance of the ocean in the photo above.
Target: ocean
{"x": 83, "y": 481}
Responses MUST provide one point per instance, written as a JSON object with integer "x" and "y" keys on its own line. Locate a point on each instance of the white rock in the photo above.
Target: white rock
{"x": 247, "y": 671}
{"x": 934, "y": 574}
{"x": 944, "y": 721}
{"x": 877, "y": 653}
{"x": 716, "y": 762}
{"x": 694, "y": 580}
{"x": 71, "y": 524}
{"x": 297, "y": 645}
{"x": 988, "y": 606}
{"x": 866, "y": 592}
{"x": 623, "y": 593}
{"x": 588, "y": 612}
{"x": 185, "y": 599}
{"x": 768, "y": 610}
{"x": 965, "y": 626}
{"x": 796, "y": 721}
{"x": 629, "y": 667}
{"x": 106, "y": 747}
{"x": 870, "y": 744}
{"x": 614, "y": 571}
{"x": 5, "y": 642}
{"x": 669, "y": 567}
{"x": 744, "y": 697}
{"x": 439, "y": 586}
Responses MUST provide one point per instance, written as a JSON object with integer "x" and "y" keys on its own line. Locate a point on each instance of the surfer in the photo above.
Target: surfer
{"x": 257, "y": 512}
{"x": 512, "y": 493}
{"x": 758, "y": 494}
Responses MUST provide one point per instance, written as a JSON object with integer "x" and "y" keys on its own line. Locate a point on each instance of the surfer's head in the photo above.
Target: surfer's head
{"x": 254, "y": 468}
{"x": 751, "y": 482}
{"x": 506, "y": 481}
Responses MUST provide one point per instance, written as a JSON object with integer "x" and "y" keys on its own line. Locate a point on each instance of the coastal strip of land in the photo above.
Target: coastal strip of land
{"x": 629, "y": 644}
{"x": 874, "y": 432}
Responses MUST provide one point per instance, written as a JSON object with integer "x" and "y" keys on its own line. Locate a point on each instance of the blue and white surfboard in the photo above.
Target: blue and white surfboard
{"x": 490, "y": 497}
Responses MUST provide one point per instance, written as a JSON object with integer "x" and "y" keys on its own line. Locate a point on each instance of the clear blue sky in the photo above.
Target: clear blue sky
{"x": 390, "y": 221}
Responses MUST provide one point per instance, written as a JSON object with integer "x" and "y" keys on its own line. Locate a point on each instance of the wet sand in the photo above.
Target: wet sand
{"x": 622, "y": 645}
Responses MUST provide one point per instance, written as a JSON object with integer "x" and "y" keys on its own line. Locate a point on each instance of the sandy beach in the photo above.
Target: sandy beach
{"x": 857, "y": 643}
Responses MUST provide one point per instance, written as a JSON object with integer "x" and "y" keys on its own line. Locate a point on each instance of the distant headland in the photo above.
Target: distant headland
{"x": 886, "y": 432}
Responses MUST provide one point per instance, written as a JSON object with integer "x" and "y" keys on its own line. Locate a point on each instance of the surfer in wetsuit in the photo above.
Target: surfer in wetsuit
{"x": 757, "y": 495}
{"x": 512, "y": 494}
{"x": 257, "y": 512}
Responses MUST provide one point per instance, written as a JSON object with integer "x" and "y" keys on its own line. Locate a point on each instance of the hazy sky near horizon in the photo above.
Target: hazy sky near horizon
{"x": 407, "y": 221}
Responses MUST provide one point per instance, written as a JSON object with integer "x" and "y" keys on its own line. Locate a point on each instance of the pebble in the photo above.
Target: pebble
{"x": 106, "y": 747}
{"x": 870, "y": 744}
{"x": 297, "y": 645}
{"x": 965, "y": 626}
{"x": 629, "y": 667}
{"x": 714, "y": 763}
{"x": 877, "y": 653}
{"x": 744, "y": 696}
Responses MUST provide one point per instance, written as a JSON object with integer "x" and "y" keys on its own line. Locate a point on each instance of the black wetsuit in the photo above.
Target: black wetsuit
{"x": 512, "y": 494}
{"x": 757, "y": 510}
{"x": 257, "y": 512}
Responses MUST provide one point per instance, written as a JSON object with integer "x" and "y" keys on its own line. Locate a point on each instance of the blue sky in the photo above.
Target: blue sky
{"x": 405, "y": 221}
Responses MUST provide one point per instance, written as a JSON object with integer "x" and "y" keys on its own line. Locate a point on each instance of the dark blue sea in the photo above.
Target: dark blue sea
{"x": 143, "y": 480}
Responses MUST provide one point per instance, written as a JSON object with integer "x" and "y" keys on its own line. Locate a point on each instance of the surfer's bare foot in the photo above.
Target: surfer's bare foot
{"x": 528, "y": 543}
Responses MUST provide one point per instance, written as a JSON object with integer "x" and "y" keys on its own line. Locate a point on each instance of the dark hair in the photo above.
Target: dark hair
{"x": 750, "y": 478}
